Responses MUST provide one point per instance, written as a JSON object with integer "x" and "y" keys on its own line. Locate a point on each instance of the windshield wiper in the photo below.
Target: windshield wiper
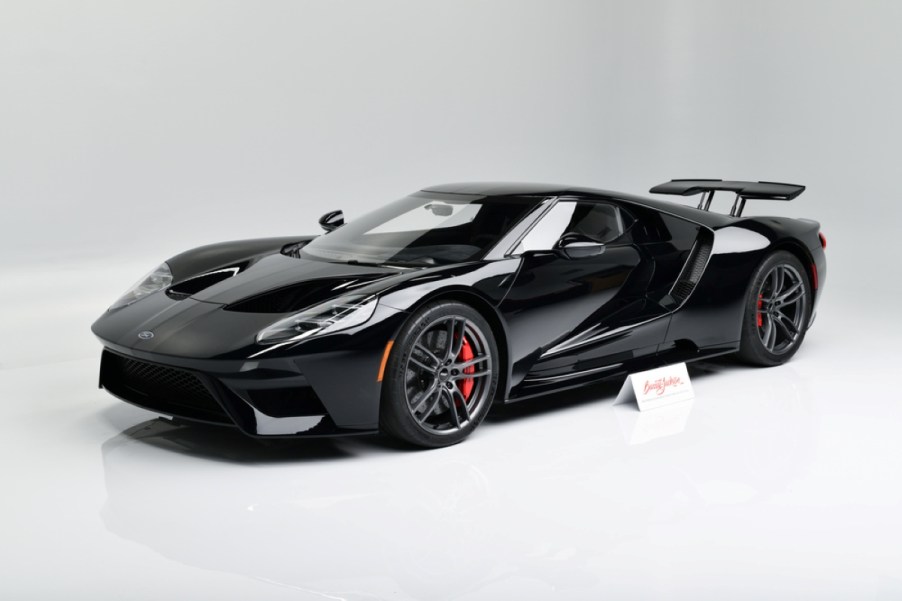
{"x": 376, "y": 264}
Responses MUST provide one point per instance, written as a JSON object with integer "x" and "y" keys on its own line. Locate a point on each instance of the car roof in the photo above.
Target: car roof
{"x": 497, "y": 188}
{"x": 538, "y": 189}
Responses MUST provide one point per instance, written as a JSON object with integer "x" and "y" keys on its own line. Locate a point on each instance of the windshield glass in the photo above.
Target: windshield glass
{"x": 426, "y": 228}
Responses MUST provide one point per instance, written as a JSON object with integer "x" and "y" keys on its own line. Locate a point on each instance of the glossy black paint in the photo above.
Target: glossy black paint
{"x": 758, "y": 190}
{"x": 559, "y": 321}
{"x": 215, "y": 256}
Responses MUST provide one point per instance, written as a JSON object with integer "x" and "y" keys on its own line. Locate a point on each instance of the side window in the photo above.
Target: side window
{"x": 597, "y": 220}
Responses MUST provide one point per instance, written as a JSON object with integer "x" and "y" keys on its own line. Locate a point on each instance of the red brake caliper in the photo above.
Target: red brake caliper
{"x": 466, "y": 353}
{"x": 760, "y": 303}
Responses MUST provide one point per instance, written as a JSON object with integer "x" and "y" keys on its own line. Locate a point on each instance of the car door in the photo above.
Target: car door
{"x": 574, "y": 317}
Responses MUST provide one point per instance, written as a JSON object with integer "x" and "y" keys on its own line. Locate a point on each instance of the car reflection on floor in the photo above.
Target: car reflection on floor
{"x": 341, "y": 515}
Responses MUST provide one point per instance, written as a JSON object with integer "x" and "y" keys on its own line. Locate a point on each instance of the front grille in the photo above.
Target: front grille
{"x": 152, "y": 377}
{"x": 160, "y": 388}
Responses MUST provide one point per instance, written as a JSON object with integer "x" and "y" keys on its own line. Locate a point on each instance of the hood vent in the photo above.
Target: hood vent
{"x": 191, "y": 286}
{"x": 299, "y": 296}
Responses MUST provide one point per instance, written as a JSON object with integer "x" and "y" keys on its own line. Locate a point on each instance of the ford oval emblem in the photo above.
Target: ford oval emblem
{"x": 145, "y": 335}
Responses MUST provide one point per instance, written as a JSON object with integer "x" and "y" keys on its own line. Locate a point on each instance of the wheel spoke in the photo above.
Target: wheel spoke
{"x": 773, "y": 335}
{"x": 764, "y": 330}
{"x": 784, "y": 296}
{"x": 782, "y": 326}
{"x": 463, "y": 402}
{"x": 421, "y": 365}
{"x": 795, "y": 297}
{"x": 451, "y": 406}
{"x": 459, "y": 341}
{"x": 779, "y": 274}
{"x": 432, "y": 407}
{"x": 456, "y": 329}
{"x": 465, "y": 364}
{"x": 475, "y": 374}
{"x": 772, "y": 278}
{"x": 787, "y": 323}
{"x": 428, "y": 353}
{"x": 423, "y": 398}
{"x": 768, "y": 331}
{"x": 449, "y": 340}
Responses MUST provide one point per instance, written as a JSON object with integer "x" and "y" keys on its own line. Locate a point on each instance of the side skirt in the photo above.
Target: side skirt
{"x": 677, "y": 355}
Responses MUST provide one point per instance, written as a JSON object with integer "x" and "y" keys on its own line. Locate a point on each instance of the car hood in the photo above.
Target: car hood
{"x": 224, "y": 317}
{"x": 221, "y": 317}
{"x": 278, "y": 272}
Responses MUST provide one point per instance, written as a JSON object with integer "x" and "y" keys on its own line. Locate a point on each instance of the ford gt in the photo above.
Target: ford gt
{"x": 415, "y": 318}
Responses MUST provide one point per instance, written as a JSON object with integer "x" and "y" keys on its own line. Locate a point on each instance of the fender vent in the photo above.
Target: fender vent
{"x": 692, "y": 270}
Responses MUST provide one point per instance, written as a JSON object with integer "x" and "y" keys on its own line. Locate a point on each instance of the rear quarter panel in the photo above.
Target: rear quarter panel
{"x": 712, "y": 317}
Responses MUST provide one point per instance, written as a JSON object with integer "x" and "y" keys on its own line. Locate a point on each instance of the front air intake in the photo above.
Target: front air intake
{"x": 161, "y": 388}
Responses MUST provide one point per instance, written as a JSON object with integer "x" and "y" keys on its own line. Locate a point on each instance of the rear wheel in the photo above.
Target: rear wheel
{"x": 777, "y": 311}
{"x": 441, "y": 376}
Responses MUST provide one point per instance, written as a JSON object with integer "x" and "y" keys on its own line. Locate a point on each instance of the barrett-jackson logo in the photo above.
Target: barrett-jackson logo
{"x": 660, "y": 385}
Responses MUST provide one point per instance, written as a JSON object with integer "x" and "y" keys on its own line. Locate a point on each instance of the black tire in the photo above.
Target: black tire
{"x": 775, "y": 321}
{"x": 443, "y": 346}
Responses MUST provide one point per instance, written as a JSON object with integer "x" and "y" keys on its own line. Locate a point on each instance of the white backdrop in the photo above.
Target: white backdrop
{"x": 130, "y": 131}
{"x": 145, "y": 128}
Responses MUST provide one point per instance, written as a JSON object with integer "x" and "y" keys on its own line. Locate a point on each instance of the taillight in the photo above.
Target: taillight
{"x": 823, "y": 240}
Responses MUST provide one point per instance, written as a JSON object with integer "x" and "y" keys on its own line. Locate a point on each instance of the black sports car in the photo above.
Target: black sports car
{"x": 414, "y": 318}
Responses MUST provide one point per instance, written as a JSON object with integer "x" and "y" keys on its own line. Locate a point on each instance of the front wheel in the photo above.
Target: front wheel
{"x": 777, "y": 311}
{"x": 441, "y": 376}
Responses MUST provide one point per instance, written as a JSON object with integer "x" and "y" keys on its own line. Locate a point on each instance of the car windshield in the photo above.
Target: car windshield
{"x": 426, "y": 228}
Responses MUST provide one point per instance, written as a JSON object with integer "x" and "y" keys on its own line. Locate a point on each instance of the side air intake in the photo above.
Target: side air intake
{"x": 692, "y": 270}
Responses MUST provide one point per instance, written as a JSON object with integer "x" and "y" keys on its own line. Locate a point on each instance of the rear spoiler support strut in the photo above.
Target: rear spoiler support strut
{"x": 744, "y": 191}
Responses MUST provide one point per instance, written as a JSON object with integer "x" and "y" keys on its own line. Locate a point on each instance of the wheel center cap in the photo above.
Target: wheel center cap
{"x": 443, "y": 374}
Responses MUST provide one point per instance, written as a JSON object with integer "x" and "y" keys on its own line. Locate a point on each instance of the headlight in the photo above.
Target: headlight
{"x": 157, "y": 279}
{"x": 338, "y": 314}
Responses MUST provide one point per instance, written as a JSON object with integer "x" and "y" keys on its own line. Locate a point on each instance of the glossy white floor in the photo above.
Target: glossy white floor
{"x": 775, "y": 483}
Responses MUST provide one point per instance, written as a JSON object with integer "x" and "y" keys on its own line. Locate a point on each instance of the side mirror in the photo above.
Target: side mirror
{"x": 440, "y": 209}
{"x": 332, "y": 220}
{"x": 578, "y": 246}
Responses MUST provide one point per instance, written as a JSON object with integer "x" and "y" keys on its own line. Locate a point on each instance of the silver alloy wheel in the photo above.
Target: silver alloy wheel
{"x": 782, "y": 308}
{"x": 448, "y": 375}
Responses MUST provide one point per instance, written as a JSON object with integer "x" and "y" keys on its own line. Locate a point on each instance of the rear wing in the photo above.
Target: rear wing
{"x": 743, "y": 190}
